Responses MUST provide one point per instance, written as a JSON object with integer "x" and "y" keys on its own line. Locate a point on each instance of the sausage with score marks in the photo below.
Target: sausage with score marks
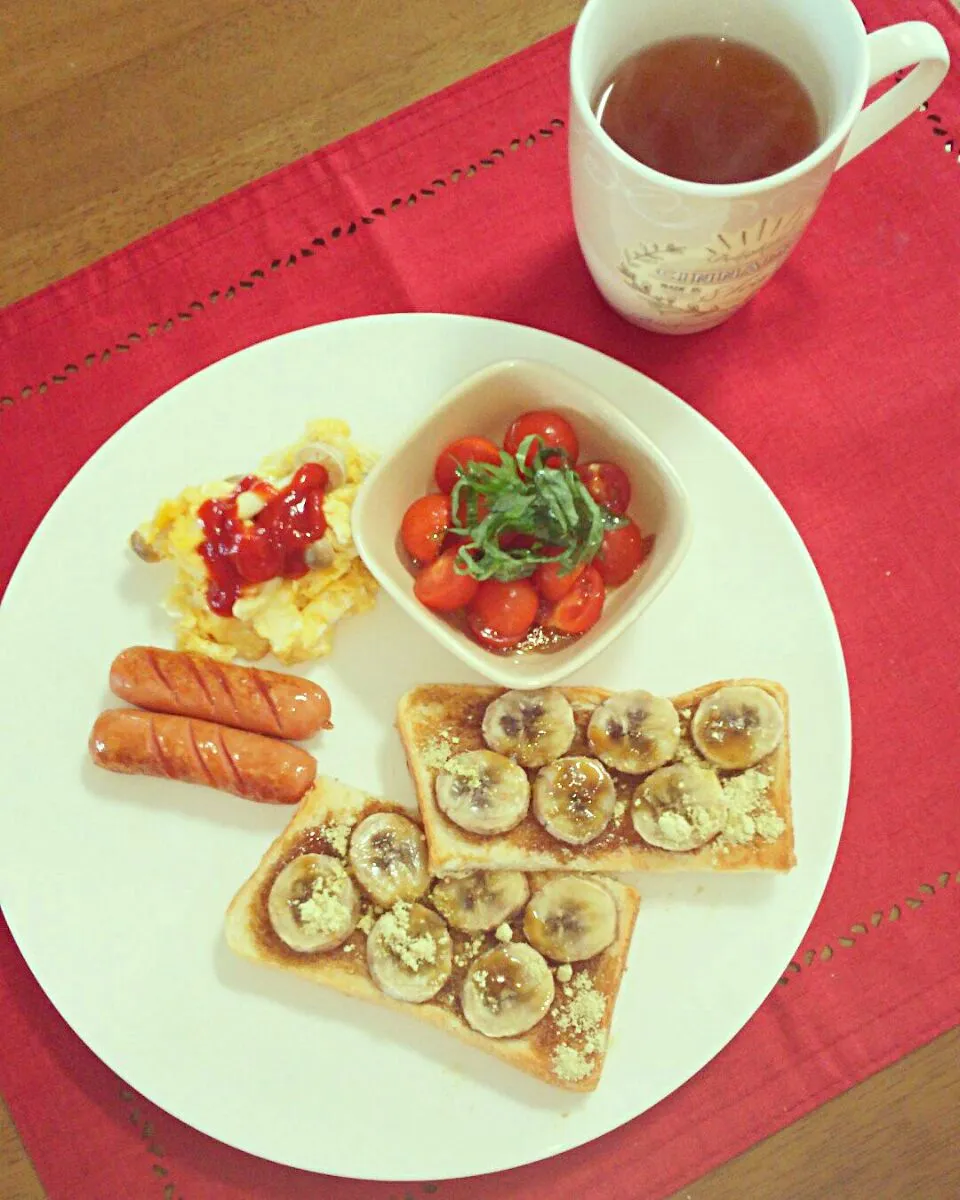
{"x": 190, "y": 685}
{"x": 172, "y": 747}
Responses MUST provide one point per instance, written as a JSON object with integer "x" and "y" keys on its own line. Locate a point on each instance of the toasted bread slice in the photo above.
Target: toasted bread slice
{"x": 566, "y": 1048}
{"x": 437, "y": 721}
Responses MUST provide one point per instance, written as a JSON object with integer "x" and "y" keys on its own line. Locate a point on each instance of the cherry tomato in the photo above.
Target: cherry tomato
{"x": 580, "y": 609}
{"x": 441, "y": 587}
{"x": 608, "y": 484}
{"x": 424, "y": 526}
{"x": 548, "y": 425}
{"x": 552, "y": 584}
{"x": 501, "y": 614}
{"x": 486, "y": 637}
{"x": 622, "y": 551}
{"x": 458, "y": 454}
{"x": 483, "y": 507}
{"x": 455, "y": 540}
{"x": 517, "y": 541}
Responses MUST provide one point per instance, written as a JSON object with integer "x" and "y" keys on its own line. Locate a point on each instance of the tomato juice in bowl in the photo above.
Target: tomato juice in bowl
{"x": 483, "y": 407}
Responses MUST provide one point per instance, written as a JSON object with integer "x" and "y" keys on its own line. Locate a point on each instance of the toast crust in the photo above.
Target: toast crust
{"x": 436, "y": 721}
{"x": 321, "y": 824}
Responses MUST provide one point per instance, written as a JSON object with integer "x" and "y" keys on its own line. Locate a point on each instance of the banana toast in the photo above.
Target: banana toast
{"x": 343, "y": 898}
{"x": 536, "y": 780}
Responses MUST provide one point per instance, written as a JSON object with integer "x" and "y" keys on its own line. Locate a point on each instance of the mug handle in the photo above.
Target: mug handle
{"x": 911, "y": 44}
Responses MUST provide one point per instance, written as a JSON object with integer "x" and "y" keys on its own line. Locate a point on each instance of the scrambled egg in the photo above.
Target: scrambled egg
{"x": 292, "y": 617}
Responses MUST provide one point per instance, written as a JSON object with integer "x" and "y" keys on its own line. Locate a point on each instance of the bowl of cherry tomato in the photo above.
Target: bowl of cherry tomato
{"x": 525, "y": 523}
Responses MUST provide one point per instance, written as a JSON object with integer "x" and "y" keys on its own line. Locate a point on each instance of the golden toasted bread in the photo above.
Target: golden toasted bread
{"x": 438, "y": 721}
{"x": 566, "y": 1048}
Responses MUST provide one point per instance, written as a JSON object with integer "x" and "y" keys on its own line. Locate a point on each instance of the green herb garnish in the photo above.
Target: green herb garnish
{"x": 547, "y": 504}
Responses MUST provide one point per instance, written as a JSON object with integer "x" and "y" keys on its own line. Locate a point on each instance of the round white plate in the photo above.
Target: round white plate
{"x": 115, "y": 887}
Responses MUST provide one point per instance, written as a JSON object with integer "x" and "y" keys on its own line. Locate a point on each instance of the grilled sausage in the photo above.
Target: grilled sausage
{"x": 190, "y": 685}
{"x": 173, "y": 747}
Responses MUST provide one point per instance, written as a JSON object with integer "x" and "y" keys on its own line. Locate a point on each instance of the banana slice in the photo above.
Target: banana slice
{"x": 388, "y": 855}
{"x": 507, "y": 990}
{"x": 313, "y": 904}
{"x": 679, "y": 807}
{"x": 532, "y": 727}
{"x": 574, "y": 799}
{"x": 571, "y": 918}
{"x": 634, "y": 732}
{"x": 483, "y": 792}
{"x": 480, "y": 900}
{"x": 737, "y": 726}
{"x": 409, "y": 953}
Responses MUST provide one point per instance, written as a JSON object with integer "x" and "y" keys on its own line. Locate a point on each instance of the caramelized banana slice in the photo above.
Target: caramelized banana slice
{"x": 634, "y": 732}
{"x": 507, "y": 991}
{"x": 574, "y": 799}
{"x": 679, "y": 807}
{"x": 483, "y": 792}
{"x": 388, "y": 855}
{"x": 409, "y": 953}
{"x": 736, "y": 727}
{"x": 313, "y": 905}
{"x": 570, "y": 918}
{"x": 532, "y": 727}
{"x": 480, "y": 900}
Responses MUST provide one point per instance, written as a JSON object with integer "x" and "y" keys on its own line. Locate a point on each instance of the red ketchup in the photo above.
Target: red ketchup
{"x": 272, "y": 545}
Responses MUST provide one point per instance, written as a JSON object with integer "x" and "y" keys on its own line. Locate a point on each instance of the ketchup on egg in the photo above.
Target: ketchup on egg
{"x": 270, "y": 545}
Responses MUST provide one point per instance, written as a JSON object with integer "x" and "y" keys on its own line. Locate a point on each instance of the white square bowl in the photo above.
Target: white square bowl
{"x": 485, "y": 404}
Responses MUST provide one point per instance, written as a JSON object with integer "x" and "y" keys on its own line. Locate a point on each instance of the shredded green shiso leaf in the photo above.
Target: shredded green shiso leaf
{"x": 548, "y": 504}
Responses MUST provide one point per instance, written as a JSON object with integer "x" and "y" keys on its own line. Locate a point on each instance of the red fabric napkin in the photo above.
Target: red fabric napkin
{"x": 840, "y": 382}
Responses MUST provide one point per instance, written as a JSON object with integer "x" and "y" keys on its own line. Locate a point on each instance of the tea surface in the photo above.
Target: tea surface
{"x": 709, "y": 110}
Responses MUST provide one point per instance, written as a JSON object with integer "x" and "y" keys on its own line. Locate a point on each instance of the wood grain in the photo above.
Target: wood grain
{"x": 18, "y": 1179}
{"x": 894, "y": 1137}
{"x": 117, "y": 116}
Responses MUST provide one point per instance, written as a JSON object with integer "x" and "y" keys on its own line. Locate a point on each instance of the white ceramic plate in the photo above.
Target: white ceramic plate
{"x": 115, "y": 888}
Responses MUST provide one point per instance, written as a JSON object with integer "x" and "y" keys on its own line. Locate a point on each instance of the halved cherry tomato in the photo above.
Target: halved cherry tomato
{"x": 552, "y": 584}
{"x": 580, "y": 609}
{"x": 548, "y": 425}
{"x": 441, "y": 587}
{"x": 501, "y": 614}
{"x": 608, "y": 484}
{"x": 458, "y": 454}
{"x": 622, "y": 551}
{"x": 424, "y": 526}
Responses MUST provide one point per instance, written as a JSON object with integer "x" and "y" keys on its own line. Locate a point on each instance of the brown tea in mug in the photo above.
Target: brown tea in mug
{"x": 710, "y": 110}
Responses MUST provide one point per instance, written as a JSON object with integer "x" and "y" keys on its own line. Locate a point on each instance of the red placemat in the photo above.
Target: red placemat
{"x": 840, "y": 382}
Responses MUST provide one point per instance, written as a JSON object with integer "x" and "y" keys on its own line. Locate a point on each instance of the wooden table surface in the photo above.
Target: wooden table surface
{"x": 116, "y": 116}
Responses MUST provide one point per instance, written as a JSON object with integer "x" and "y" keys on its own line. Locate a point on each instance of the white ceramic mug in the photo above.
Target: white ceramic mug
{"x": 676, "y": 256}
